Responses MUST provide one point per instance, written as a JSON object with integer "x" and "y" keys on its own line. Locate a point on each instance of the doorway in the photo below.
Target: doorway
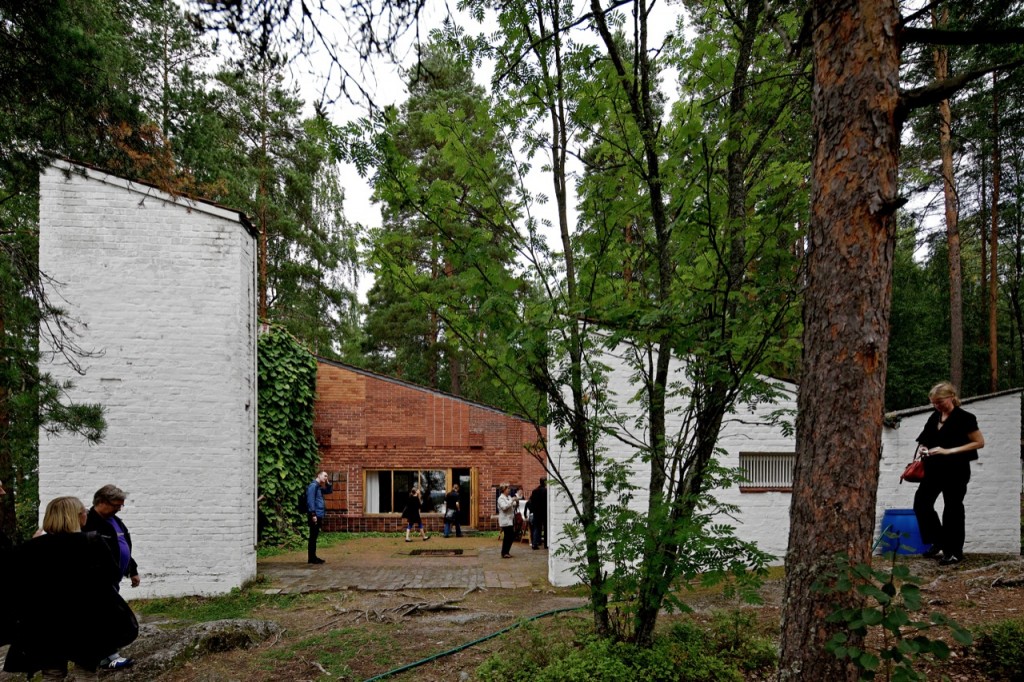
{"x": 464, "y": 477}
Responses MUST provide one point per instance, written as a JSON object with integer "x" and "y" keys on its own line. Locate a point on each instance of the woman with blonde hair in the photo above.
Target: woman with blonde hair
{"x": 949, "y": 443}
{"x": 506, "y": 519}
{"x": 75, "y": 615}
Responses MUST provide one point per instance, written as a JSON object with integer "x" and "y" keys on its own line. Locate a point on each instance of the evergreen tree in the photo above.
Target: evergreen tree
{"x": 62, "y": 66}
{"x": 445, "y": 242}
{"x": 281, "y": 171}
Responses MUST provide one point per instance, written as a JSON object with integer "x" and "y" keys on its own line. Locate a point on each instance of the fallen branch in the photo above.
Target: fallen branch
{"x": 1015, "y": 581}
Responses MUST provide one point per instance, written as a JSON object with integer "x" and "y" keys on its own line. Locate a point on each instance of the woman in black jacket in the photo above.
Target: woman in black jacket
{"x": 63, "y": 607}
{"x": 950, "y": 442}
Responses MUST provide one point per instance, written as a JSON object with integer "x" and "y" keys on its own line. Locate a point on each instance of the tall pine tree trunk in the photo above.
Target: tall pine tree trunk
{"x": 846, "y": 319}
{"x": 7, "y": 521}
{"x": 993, "y": 251}
{"x": 956, "y": 286}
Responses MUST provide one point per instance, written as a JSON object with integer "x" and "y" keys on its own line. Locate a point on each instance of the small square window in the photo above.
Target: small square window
{"x": 767, "y": 471}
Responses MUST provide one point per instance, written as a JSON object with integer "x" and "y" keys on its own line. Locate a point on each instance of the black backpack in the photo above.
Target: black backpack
{"x": 303, "y": 504}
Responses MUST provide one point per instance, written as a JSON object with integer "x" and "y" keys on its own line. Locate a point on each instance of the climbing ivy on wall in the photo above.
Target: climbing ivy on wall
{"x": 288, "y": 454}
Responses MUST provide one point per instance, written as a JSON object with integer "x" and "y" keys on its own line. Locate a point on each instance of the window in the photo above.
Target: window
{"x": 767, "y": 471}
{"x": 387, "y": 490}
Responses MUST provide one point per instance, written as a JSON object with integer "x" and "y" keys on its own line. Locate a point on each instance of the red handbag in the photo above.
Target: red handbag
{"x": 914, "y": 471}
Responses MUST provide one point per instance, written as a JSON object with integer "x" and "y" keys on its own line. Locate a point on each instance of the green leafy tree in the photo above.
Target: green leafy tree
{"x": 713, "y": 273}
{"x": 653, "y": 205}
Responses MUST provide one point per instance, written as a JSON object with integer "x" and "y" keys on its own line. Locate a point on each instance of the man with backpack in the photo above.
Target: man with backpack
{"x": 315, "y": 510}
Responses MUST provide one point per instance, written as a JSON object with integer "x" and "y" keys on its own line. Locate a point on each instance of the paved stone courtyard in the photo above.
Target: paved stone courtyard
{"x": 375, "y": 563}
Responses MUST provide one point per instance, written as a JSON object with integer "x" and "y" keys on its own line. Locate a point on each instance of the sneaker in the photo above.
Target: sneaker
{"x": 426, "y": 538}
{"x": 118, "y": 663}
{"x": 317, "y": 560}
{"x": 951, "y": 560}
{"x": 932, "y": 552}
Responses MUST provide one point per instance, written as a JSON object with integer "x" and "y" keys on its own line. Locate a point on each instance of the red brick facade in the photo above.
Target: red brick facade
{"x": 368, "y": 422}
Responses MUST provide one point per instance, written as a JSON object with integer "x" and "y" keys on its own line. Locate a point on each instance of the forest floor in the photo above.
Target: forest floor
{"x": 356, "y": 634}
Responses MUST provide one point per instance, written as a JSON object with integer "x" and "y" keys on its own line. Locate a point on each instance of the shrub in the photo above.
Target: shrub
{"x": 999, "y": 647}
{"x": 889, "y": 602}
{"x": 526, "y": 653}
{"x": 686, "y": 652}
{"x": 737, "y": 639}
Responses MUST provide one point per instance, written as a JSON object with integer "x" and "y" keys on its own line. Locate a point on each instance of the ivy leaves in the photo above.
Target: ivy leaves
{"x": 288, "y": 452}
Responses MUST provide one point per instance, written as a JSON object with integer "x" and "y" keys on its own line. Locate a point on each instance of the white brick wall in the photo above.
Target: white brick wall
{"x": 165, "y": 291}
{"x": 993, "y": 496}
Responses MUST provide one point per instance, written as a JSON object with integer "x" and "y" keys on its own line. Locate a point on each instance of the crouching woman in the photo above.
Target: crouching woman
{"x": 63, "y": 605}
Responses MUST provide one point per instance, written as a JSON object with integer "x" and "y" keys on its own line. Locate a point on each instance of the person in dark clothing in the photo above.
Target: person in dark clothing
{"x": 537, "y": 512}
{"x": 76, "y": 616}
{"x": 949, "y": 442}
{"x": 411, "y": 514}
{"x": 452, "y": 511}
{"x": 104, "y": 521}
{"x": 315, "y": 492}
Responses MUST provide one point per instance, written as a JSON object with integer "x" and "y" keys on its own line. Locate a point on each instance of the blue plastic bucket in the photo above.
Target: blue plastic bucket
{"x": 903, "y": 522}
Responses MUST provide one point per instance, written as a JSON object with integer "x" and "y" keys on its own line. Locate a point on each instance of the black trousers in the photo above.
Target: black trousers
{"x": 314, "y": 533}
{"x": 507, "y": 537}
{"x": 538, "y": 532}
{"x": 951, "y": 483}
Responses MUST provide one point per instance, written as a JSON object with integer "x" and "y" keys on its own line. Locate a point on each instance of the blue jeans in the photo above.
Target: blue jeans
{"x": 448, "y": 527}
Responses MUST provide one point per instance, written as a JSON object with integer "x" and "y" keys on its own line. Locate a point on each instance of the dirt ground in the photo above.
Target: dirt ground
{"x": 359, "y": 635}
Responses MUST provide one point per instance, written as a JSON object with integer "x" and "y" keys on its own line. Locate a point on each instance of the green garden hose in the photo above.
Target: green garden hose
{"x": 459, "y": 648}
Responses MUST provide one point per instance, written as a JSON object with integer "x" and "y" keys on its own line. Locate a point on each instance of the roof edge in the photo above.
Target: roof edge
{"x": 893, "y": 418}
{"x": 190, "y": 203}
{"x": 425, "y": 389}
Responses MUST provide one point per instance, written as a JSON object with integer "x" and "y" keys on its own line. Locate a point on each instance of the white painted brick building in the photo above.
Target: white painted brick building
{"x": 993, "y": 496}
{"x": 165, "y": 291}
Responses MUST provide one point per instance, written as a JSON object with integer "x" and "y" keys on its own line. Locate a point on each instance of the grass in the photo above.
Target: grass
{"x": 336, "y": 649}
{"x": 239, "y": 603}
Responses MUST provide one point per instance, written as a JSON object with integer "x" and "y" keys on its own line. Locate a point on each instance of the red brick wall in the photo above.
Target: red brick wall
{"x": 365, "y": 421}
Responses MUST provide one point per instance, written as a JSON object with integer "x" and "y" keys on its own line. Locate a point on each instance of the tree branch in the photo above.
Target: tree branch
{"x": 920, "y": 13}
{"x": 975, "y": 36}
{"x": 936, "y": 91}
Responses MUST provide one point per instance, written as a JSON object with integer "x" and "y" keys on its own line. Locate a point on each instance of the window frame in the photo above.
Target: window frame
{"x": 766, "y": 477}
{"x": 422, "y": 476}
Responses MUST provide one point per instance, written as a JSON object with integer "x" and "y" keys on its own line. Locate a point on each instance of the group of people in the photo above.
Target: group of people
{"x": 535, "y": 513}
{"x": 79, "y": 557}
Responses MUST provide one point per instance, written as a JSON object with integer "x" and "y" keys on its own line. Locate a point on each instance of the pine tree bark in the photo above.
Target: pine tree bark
{"x": 952, "y": 210}
{"x": 846, "y": 318}
{"x": 993, "y": 252}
